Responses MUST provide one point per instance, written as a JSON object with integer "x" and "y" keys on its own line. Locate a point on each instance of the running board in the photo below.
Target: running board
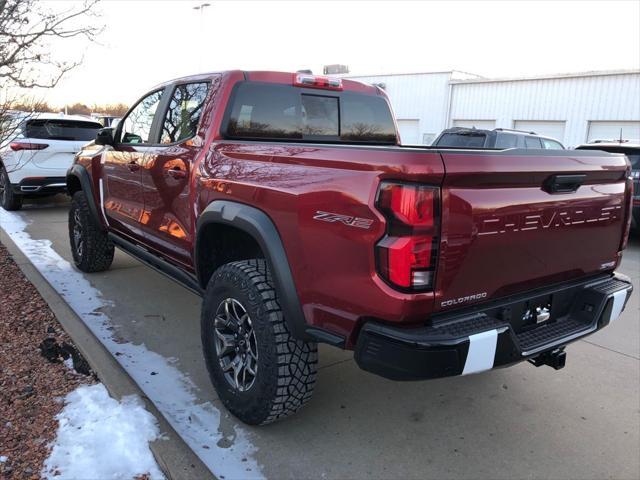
{"x": 158, "y": 264}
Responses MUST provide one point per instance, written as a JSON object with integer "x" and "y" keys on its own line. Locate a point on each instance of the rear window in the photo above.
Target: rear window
{"x": 61, "y": 129}
{"x": 282, "y": 112}
{"x": 462, "y": 139}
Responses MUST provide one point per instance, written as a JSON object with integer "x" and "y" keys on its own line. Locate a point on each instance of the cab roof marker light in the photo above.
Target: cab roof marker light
{"x": 315, "y": 81}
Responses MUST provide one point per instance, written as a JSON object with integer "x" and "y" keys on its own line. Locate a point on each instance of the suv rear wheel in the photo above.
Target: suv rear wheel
{"x": 8, "y": 199}
{"x": 91, "y": 247}
{"x": 261, "y": 373}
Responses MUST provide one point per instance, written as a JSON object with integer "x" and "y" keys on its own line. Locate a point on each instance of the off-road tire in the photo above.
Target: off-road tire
{"x": 286, "y": 367}
{"x": 97, "y": 251}
{"x": 8, "y": 199}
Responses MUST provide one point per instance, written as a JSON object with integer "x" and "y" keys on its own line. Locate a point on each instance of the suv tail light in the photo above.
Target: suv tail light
{"x": 407, "y": 254}
{"x": 315, "y": 81}
{"x": 16, "y": 146}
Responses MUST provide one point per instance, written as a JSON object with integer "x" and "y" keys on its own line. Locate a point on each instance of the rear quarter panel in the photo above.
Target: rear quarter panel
{"x": 333, "y": 263}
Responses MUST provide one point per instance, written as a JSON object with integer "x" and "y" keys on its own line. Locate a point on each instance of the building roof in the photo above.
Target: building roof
{"x": 594, "y": 73}
{"x": 439, "y": 72}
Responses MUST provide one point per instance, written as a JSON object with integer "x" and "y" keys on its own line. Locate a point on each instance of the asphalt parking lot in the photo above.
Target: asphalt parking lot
{"x": 521, "y": 422}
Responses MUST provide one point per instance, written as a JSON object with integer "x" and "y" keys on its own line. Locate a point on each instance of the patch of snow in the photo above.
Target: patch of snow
{"x": 172, "y": 392}
{"x": 3, "y": 459}
{"x": 98, "y": 434}
{"x": 69, "y": 364}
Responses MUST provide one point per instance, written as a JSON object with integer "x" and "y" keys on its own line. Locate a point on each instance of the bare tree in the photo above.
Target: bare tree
{"x": 28, "y": 28}
{"x": 115, "y": 109}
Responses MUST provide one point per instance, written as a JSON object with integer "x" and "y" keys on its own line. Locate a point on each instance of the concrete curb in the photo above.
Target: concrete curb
{"x": 173, "y": 455}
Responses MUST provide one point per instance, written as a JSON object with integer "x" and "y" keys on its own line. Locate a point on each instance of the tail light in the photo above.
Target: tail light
{"x": 17, "y": 146}
{"x": 407, "y": 255}
{"x": 315, "y": 81}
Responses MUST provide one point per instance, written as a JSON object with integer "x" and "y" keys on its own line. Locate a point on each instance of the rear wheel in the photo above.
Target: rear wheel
{"x": 90, "y": 245}
{"x": 8, "y": 199}
{"x": 261, "y": 373}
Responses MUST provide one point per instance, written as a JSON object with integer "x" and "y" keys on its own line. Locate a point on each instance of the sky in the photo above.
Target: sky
{"x": 146, "y": 42}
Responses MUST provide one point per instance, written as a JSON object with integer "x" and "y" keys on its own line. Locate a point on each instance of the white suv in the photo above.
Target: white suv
{"x": 36, "y": 151}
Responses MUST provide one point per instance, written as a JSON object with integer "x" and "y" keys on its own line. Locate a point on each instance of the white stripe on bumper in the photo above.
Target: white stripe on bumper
{"x": 618, "y": 304}
{"x": 482, "y": 352}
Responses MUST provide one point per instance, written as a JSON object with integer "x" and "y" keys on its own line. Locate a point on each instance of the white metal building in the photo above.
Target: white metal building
{"x": 573, "y": 108}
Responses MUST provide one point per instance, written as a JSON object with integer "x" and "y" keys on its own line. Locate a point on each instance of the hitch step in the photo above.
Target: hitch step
{"x": 556, "y": 359}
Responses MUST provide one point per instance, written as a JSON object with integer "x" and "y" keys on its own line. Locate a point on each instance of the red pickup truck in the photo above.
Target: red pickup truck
{"x": 286, "y": 201}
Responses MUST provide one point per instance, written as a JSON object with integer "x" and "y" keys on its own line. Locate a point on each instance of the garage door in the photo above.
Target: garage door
{"x": 485, "y": 124}
{"x": 611, "y": 130}
{"x": 409, "y": 132}
{"x": 544, "y": 128}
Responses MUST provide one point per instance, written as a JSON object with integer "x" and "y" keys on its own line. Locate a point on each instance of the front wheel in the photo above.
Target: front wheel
{"x": 261, "y": 373}
{"x": 91, "y": 247}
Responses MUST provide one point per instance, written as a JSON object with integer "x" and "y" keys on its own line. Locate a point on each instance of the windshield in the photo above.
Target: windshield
{"x": 58, "y": 129}
{"x": 278, "y": 112}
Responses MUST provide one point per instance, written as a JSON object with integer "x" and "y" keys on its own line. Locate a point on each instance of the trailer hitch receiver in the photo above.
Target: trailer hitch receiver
{"x": 555, "y": 358}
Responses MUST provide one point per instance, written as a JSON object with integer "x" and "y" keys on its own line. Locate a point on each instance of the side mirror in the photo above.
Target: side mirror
{"x": 104, "y": 136}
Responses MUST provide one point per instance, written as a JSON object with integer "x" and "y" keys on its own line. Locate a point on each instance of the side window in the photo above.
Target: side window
{"x": 136, "y": 127}
{"x": 552, "y": 144}
{"x": 506, "y": 140}
{"x": 532, "y": 142}
{"x": 183, "y": 114}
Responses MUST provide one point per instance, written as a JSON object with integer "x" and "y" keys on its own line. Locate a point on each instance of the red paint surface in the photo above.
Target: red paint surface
{"x": 500, "y": 232}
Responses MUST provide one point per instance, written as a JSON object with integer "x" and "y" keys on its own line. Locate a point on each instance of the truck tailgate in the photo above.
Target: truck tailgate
{"x": 505, "y": 230}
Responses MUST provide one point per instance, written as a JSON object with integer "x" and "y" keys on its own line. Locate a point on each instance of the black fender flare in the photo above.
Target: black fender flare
{"x": 257, "y": 224}
{"x": 79, "y": 172}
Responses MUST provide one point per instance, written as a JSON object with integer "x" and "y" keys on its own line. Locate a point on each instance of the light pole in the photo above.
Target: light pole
{"x": 201, "y": 8}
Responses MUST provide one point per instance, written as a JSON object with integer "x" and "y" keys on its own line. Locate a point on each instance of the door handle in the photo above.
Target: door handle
{"x": 176, "y": 172}
{"x": 563, "y": 183}
{"x": 133, "y": 166}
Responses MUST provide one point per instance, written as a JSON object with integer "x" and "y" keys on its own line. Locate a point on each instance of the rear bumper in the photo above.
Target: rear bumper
{"x": 478, "y": 341}
{"x": 40, "y": 186}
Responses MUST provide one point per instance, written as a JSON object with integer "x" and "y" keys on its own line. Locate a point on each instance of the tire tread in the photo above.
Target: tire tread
{"x": 99, "y": 248}
{"x": 296, "y": 359}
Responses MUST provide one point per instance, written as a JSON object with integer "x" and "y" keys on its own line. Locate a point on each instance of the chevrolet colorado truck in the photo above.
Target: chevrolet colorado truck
{"x": 287, "y": 203}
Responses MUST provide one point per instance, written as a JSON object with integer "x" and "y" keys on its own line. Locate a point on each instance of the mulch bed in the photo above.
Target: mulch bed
{"x": 33, "y": 377}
